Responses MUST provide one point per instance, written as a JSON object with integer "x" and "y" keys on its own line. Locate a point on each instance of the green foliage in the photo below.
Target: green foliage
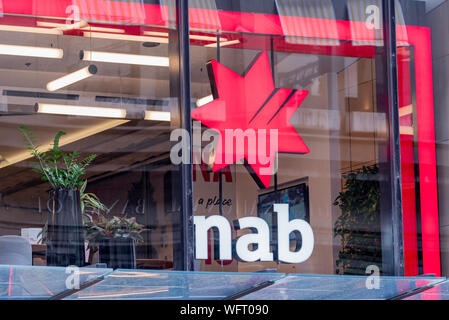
{"x": 65, "y": 171}
{"x": 359, "y": 222}
{"x": 115, "y": 227}
{"x": 62, "y": 170}
{"x": 98, "y": 226}
{"x": 90, "y": 204}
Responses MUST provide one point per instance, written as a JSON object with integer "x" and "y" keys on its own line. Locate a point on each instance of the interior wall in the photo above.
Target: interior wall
{"x": 356, "y": 95}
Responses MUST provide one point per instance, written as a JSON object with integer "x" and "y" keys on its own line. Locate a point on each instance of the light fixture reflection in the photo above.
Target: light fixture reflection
{"x": 192, "y": 36}
{"x": 71, "y": 78}
{"x": 80, "y": 110}
{"x": 29, "y": 29}
{"x": 157, "y": 115}
{"x": 64, "y": 27}
{"x": 27, "y": 51}
{"x": 156, "y": 33}
{"x": 126, "y": 37}
{"x": 205, "y": 100}
{"x": 406, "y": 110}
{"x": 124, "y": 58}
{"x": 406, "y": 130}
{"x": 223, "y": 43}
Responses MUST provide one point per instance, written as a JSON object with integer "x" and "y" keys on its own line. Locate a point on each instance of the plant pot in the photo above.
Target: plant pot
{"x": 65, "y": 236}
{"x": 118, "y": 253}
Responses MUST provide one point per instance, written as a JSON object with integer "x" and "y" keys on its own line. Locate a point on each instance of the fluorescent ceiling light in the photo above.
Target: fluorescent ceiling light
{"x": 29, "y": 29}
{"x": 126, "y": 37}
{"x": 205, "y": 100}
{"x": 223, "y": 43}
{"x": 156, "y": 34}
{"x": 80, "y": 110}
{"x": 72, "y": 78}
{"x": 157, "y": 115}
{"x": 206, "y": 38}
{"x": 103, "y": 29}
{"x": 63, "y": 26}
{"x": 27, "y": 51}
{"x": 124, "y": 58}
{"x": 192, "y": 36}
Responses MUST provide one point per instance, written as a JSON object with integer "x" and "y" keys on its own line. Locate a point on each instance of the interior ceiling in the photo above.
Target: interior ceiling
{"x": 119, "y": 144}
{"x": 43, "y": 70}
{"x": 141, "y": 81}
{"x": 238, "y": 60}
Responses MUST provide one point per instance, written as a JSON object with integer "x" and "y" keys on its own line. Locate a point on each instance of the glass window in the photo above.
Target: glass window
{"x": 422, "y": 72}
{"x": 88, "y": 98}
{"x": 294, "y": 176}
{"x": 307, "y": 154}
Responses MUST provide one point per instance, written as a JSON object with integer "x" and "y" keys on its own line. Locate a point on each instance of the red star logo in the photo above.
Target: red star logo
{"x": 252, "y": 105}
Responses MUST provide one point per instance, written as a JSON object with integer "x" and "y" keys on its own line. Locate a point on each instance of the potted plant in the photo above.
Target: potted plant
{"x": 64, "y": 172}
{"x": 359, "y": 223}
{"x": 116, "y": 238}
{"x": 90, "y": 204}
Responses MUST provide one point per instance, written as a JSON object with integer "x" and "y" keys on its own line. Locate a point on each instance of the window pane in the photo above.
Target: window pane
{"x": 422, "y": 70}
{"x": 101, "y": 75}
{"x": 306, "y": 79}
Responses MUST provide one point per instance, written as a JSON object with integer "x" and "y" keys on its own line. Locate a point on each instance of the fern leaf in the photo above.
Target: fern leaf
{"x": 56, "y": 140}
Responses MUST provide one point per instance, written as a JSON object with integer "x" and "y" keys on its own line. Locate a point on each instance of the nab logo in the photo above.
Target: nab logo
{"x": 258, "y": 239}
{"x": 250, "y": 107}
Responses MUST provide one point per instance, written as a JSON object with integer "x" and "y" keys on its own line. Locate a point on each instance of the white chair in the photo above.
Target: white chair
{"x": 15, "y": 250}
